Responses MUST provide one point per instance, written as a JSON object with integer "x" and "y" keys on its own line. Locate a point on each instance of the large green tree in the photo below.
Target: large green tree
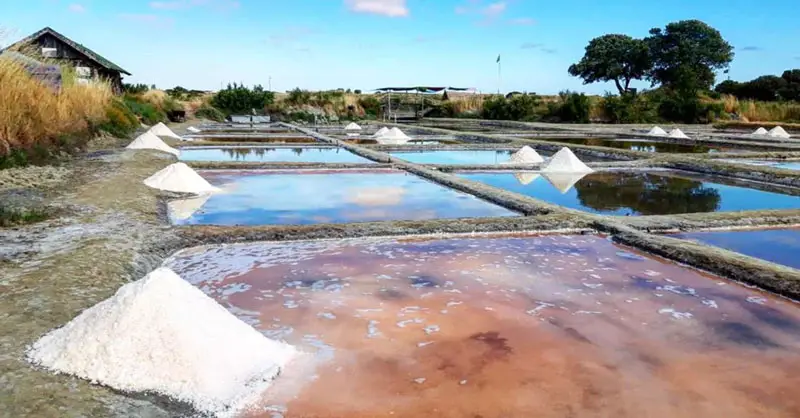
{"x": 617, "y": 58}
{"x": 685, "y": 55}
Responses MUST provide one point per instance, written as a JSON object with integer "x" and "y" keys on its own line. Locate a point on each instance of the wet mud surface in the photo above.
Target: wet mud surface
{"x": 505, "y": 327}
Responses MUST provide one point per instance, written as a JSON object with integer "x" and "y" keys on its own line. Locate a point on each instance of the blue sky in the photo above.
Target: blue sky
{"x": 365, "y": 44}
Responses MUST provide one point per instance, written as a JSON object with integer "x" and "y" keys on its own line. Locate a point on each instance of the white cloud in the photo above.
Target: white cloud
{"x": 389, "y": 8}
{"x": 147, "y": 19}
{"x": 187, "y": 4}
{"x": 489, "y": 13}
{"x": 76, "y": 8}
{"x": 494, "y": 10}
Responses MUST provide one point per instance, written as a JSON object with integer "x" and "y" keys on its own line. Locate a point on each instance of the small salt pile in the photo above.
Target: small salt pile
{"x": 657, "y": 131}
{"x": 393, "y": 136}
{"x": 760, "y": 131}
{"x": 182, "y": 209}
{"x": 160, "y": 129}
{"x": 564, "y": 161}
{"x": 160, "y": 334}
{"x": 193, "y": 130}
{"x": 380, "y": 132}
{"x": 180, "y": 178}
{"x": 677, "y": 133}
{"x": 778, "y": 132}
{"x": 352, "y": 126}
{"x": 148, "y": 140}
{"x": 563, "y": 182}
{"x": 525, "y": 155}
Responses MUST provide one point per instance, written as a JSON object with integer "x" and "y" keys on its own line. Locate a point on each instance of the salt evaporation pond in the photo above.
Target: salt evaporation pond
{"x": 788, "y": 165}
{"x": 637, "y": 192}
{"x": 327, "y": 196}
{"x": 464, "y": 156}
{"x": 520, "y": 326}
{"x": 781, "y": 246}
{"x": 644, "y": 145}
{"x": 272, "y": 155}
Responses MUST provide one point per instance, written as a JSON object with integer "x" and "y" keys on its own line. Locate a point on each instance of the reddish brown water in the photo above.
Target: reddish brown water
{"x": 553, "y": 326}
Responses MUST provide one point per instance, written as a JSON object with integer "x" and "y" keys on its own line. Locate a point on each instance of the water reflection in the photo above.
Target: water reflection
{"x": 641, "y": 193}
{"x": 640, "y": 145}
{"x": 264, "y": 154}
{"x": 780, "y": 246}
{"x": 787, "y": 165}
{"x": 455, "y": 157}
{"x": 332, "y": 196}
{"x": 505, "y": 327}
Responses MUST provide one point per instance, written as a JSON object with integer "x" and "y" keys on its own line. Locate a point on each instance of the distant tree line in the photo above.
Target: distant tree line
{"x": 767, "y": 88}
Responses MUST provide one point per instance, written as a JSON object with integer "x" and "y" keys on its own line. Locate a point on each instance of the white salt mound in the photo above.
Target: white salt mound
{"x": 148, "y": 140}
{"x": 525, "y": 155}
{"x": 182, "y": 209}
{"x": 179, "y": 178}
{"x": 352, "y": 126}
{"x": 380, "y": 132}
{"x": 161, "y": 334}
{"x": 760, "y": 131}
{"x": 160, "y": 129}
{"x": 657, "y": 131}
{"x": 778, "y": 132}
{"x": 395, "y": 133}
{"x": 563, "y": 181}
{"x": 564, "y": 161}
{"x": 193, "y": 130}
{"x": 677, "y": 133}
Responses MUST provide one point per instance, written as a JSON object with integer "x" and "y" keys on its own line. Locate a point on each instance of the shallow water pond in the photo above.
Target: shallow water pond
{"x": 637, "y": 192}
{"x": 265, "y": 154}
{"x": 520, "y": 326}
{"x": 325, "y": 196}
{"x": 643, "y": 145}
{"x": 454, "y": 157}
{"x": 781, "y": 246}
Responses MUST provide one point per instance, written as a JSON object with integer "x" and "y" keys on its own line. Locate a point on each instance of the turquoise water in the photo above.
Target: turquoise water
{"x": 326, "y": 196}
{"x": 781, "y": 246}
{"x": 272, "y": 155}
{"x": 454, "y": 157}
{"x": 636, "y": 193}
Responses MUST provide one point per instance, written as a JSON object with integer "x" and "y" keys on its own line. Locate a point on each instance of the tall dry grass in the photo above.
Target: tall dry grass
{"x": 755, "y": 111}
{"x": 33, "y": 114}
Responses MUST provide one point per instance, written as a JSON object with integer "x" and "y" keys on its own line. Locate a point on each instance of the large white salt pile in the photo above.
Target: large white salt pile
{"x": 525, "y": 155}
{"x": 564, "y": 161}
{"x": 657, "y": 131}
{"x": 395, "y": 133}
{"x": 380, "y": 132}
{"x": 148, "y": 140}
{"x": 160, "y": 129}
{"x": 677, "y": 133}
{"x": 352, "y": 126}
{"x": 161, "y": 334}
{"x": 526, "y": 177}
{"x": 563, "y": 181}
{"x": 179, "y": 178}
{"x": 778, "y": 132}
{"x": 760, "y": 131}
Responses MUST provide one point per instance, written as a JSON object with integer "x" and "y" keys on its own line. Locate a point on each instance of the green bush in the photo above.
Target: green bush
{"x": 237, "y": 98}
{"x": 120, "y": 119}
{"x": 519, "y": 107}
{"x": 210, "y": 113}
{"x": 688, "y": 108}
{"x": 574, "y": 107}
{"x": 628, "y": 108}
{"x": 135, "y": 88}
{"x": 148, "y": 113}
{"x": 371, "y": 105}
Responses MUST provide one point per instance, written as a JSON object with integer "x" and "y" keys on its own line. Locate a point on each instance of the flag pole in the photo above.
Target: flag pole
{"x": 499, "y": 77}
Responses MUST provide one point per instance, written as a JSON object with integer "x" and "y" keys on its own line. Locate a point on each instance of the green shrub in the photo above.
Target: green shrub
{"x": 519, "y": 107}
{"x": 135, "y": 88}
{"x": 688, "y": 108}
{"x": 237, "y": 98}
{"x": 16, "y": 217}
{"x": 574, "y": 107}
{"x": 371, "y": 105}
{"x": 210, "y": 113}
{"x": 628, "y": 108}
{"x": 148, "y": 113}
{"x": 120, "y": 119}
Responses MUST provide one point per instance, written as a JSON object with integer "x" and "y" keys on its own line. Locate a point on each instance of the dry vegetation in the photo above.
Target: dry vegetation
{"x": 33, "y": 114}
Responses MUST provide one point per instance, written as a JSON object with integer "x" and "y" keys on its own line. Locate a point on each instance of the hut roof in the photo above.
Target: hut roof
{"x": 97, "y": 58}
